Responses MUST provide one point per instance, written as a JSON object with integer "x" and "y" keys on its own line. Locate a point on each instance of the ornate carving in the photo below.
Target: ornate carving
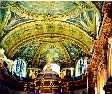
{"x": 107, "y": 9}
{"x": 98, "y": 58}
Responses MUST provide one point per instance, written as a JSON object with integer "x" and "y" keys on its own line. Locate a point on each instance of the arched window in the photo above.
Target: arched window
{"x": 81, "y": 66}
{"x": 19, "y": 67}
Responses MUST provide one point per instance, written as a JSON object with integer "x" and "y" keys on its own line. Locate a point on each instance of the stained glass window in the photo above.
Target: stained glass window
{"x": 81, "y": 67}
{"x": 19, "y": 68}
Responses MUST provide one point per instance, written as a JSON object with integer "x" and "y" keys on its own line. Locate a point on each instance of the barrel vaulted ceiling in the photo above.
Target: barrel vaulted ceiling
{"x": 37, "y": 30}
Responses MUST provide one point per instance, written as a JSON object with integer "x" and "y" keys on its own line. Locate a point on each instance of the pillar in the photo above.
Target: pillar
{"x": 99, "y": 63}
{"x": 110, "y": 57}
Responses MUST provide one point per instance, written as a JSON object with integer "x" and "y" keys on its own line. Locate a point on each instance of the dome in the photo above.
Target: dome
{"x": 61, "y": 29}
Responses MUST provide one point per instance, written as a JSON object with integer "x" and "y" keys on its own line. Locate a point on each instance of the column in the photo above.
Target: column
{"x": 110, "y": 57}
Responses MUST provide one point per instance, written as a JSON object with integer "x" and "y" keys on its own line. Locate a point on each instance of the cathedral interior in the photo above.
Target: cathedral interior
{"x": 55, "y": 47}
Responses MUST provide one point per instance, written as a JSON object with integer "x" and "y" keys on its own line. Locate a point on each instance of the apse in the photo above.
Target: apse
{"x": 51, "y": 44}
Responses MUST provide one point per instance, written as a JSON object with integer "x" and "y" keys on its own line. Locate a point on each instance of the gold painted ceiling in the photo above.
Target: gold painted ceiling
{"x": 37, "y": 30}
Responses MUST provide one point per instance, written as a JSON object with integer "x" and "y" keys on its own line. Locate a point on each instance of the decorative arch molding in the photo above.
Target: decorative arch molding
{"x": 19, "y": 44}
{"x": 45, "y": 31}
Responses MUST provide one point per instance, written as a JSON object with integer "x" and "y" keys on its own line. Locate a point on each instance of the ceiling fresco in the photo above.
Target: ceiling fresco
{"x": 37, "y": 30}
